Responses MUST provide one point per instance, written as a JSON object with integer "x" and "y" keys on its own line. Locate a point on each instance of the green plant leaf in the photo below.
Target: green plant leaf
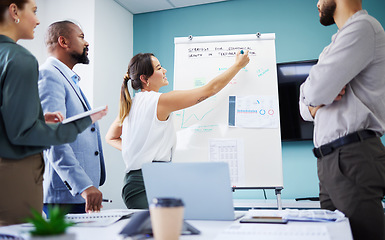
{"x": 53, "y": 226}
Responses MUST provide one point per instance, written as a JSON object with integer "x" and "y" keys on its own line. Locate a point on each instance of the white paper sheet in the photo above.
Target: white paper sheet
{"x": 256, "y": 112}
{"x": 232, "y": 152}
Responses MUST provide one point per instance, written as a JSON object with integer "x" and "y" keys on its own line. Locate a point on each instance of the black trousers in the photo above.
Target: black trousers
{"x": 352, "y": 180}
{"x": 134, "y": 192}
{"x": 67, "y": 208}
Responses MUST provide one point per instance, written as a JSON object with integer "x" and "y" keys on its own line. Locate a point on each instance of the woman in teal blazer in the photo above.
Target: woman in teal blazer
{"x": 24, "y": 132}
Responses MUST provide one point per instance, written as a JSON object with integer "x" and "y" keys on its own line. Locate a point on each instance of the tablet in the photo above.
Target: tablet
{"x": 84, "y": 114}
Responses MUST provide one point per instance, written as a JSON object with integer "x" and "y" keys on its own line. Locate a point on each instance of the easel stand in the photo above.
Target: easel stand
{"x": 277, "y": 193}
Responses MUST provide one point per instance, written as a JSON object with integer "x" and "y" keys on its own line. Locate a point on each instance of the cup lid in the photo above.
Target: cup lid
{"x": 167, "y": 202}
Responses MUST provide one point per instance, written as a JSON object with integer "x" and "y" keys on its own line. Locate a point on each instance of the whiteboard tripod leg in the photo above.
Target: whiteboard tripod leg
{"x": 279, "y": 201}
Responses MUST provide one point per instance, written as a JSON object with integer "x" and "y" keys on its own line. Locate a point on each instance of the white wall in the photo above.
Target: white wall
{"x": 113, "y": 51}
{"x": 37, "y": 46}
{"x": 108, "y": 28}
{"x": 81, "y": 12}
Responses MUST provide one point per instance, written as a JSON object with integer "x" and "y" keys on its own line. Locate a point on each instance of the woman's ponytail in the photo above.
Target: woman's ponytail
{"x": 125, "y": 100}
{"x": 140, "y": 64}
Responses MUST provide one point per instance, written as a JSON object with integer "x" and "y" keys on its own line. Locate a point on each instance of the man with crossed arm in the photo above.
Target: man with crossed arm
{"x": 345, "y": 97}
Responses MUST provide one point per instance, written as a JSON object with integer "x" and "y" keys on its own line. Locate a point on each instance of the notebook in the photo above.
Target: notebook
{"x": 98, "y": 219}
{"x": 204, "y": 187}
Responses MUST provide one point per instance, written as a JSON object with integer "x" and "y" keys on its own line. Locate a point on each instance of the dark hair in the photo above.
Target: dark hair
{"x": 4, "y": 4}
{"x": 140, "y": 64}
{"x": 55, "y": 30}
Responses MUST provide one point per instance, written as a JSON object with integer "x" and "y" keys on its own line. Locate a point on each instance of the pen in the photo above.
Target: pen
{"x": 106, "y": 200}
{"x": 242, "y": 51}
{"x": 308, "y": 198}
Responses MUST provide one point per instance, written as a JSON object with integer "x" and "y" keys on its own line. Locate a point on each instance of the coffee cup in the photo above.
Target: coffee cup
{"x": 166, "y": 218}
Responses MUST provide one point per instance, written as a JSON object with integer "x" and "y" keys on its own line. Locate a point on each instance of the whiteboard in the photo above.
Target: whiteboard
{"x": 239, "y": 125}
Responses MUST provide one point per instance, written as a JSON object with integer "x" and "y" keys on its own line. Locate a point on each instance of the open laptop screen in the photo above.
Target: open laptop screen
{"x": 204, "y": 187}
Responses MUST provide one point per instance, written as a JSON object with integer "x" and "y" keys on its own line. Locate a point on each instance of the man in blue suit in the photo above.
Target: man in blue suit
{"x": 73, "y": 171}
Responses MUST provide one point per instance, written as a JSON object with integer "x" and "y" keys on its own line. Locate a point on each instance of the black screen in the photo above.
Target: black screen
{"x": 290, "y": 76}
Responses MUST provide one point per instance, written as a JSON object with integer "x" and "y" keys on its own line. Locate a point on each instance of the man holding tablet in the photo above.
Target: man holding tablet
{"x": 73, "y": 171}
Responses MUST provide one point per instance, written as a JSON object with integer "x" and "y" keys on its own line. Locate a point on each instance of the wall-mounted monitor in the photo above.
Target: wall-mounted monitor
{"x": 290, "y": 76}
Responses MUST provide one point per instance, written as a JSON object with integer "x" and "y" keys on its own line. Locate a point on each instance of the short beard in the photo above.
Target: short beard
{"x": 327, "y": 14}
{"x": 81, "y": 58}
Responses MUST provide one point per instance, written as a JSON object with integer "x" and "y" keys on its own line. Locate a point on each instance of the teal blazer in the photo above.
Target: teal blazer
{"x": 23, "y": 131}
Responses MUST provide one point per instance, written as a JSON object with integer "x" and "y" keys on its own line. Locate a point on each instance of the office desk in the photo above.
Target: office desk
{"x": 209, "y": 230}
{"x": 213, "y": 230}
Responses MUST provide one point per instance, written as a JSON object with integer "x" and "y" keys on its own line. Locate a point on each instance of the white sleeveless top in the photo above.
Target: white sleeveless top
{"x": 144, "y": 137}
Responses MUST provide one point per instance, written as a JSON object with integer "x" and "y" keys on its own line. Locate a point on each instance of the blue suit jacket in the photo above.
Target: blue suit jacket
{"x": 70, "y": 168}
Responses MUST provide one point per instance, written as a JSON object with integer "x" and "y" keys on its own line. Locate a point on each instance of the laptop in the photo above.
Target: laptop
{"x": 204, "y": 187}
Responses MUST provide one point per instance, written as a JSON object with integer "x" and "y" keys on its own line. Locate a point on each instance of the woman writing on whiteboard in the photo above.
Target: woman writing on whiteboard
{"x": 144, "y": 130}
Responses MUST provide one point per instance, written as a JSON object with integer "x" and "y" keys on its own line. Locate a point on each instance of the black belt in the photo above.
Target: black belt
{"x": 350, "y": 138}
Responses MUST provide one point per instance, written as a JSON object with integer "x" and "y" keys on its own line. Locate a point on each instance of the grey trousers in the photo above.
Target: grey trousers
{"x": 21, "y": 187}
{"x": 352, "y": 180}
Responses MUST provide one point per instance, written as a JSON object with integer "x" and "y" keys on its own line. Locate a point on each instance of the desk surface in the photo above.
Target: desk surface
{"x": 245, "y": 204}
{"x": 210, "y": 230}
